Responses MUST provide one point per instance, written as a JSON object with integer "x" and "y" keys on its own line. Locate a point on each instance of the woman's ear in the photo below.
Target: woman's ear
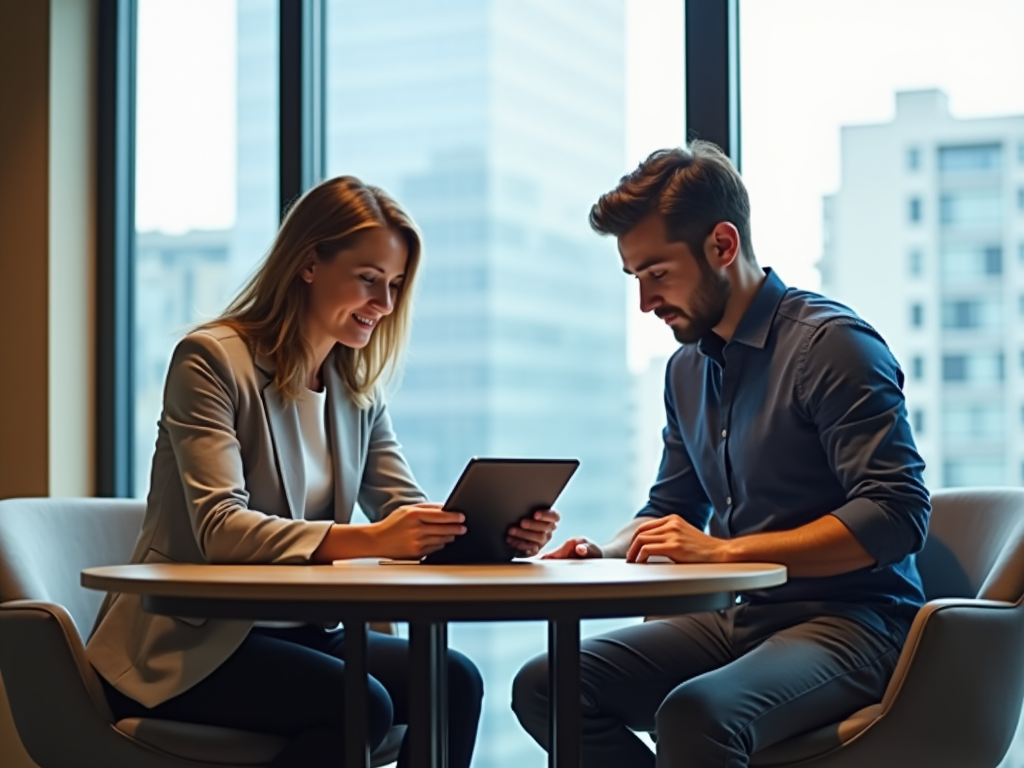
{"x": 306, "y": 273}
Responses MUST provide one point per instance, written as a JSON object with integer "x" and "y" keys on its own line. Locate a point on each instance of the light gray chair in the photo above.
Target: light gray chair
{"x": 954, "y": 700}
{"x": 56, "y": 699}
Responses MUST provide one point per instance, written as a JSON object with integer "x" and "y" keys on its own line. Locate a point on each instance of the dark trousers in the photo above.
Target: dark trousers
{"x": 714, "y": 687}
{"x": 291, "y": 682}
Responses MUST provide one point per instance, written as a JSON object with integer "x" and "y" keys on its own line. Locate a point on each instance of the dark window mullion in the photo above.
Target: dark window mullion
{"x": 115, "y": 234}
{"x": 302, "y": 97}
{"x": 712, "y": 73}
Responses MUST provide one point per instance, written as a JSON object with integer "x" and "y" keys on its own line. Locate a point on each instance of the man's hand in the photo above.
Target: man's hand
{"x": 575, "y": 549}
{"x": 676, "y": 539}
{"x": 532, "y": 533}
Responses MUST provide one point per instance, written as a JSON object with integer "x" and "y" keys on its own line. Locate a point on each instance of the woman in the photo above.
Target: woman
{"x": 273, "y": 426}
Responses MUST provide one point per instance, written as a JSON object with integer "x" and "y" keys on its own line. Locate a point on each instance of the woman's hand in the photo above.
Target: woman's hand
{"x": 578, "y": 548}
{"x": 532, "y": 533}
{"x": 416, "y": 530}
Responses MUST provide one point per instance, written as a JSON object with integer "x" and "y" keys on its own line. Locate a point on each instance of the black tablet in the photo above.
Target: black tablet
{"x": 495, "y": 494}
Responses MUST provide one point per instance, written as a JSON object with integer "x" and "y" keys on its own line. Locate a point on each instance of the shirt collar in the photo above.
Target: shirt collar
{"x": 757, "y": 320}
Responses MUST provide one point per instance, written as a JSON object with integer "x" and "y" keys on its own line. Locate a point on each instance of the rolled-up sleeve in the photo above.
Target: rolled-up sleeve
{"x": 852, "y": 389}
{"x": 677, "y": 489}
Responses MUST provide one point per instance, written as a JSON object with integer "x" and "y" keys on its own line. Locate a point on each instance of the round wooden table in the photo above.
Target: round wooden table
{"x": 561, "y": 592}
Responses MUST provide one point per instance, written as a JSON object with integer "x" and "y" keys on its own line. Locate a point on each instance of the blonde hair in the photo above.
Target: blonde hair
{"x": 269, "y": 312}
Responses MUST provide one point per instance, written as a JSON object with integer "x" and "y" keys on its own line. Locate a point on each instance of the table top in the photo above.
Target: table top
{"x": 370, "y": 582}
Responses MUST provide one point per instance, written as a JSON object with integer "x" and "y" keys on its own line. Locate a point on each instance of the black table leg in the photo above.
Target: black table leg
{"x": 428, "y": 694}
{"x": 357, "y": 750}
{"x": 564, "y": 693}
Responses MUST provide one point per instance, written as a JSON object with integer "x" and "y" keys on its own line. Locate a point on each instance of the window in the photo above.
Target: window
{"x": 954, "y": 368}
{"x": 970, "y": 261}
{"x": 917, "y": 421}
{"x": 915, "y": 262}
{"x": 981, "y": 157}
{"x": 972, "y": 314}
{"x": 971, "y": 208}
{"x": 913, "y": 159}
{"x": 961, "y": 473}
{"x": 917, "y": 368}
{"x": 498, "y": 125}
{"x": 974, "y": 367}
{"x": 973, "y": 421}
{"x": 206, "y": 178}
{"x": 916, "y": 315}
{"x": 914, "y": 211}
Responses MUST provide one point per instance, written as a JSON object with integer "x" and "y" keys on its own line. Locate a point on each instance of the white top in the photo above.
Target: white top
{"x": 316, "y": 454}
{"x": 316, "y": 459}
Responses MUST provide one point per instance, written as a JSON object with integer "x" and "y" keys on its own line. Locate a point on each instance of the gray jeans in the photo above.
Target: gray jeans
{"x": 714, "y": 687}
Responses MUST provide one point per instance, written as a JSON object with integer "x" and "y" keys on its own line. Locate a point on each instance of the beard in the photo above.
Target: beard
{"x": 707, "y": 306}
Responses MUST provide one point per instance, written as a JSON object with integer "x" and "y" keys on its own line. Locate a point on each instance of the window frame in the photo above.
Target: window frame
{"x": 712, "y": 72}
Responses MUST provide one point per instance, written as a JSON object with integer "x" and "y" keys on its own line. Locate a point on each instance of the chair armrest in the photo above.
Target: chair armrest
{"x": 955, "y": 696}
{"x": 21, "y": 615}
{"x": 53, "y": 692}
{"x": 56, "y": 699}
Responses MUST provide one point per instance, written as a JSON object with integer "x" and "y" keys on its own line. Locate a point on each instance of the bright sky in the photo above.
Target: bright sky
{"x": 186, "y": 115}
{"x": 807, "y": 68}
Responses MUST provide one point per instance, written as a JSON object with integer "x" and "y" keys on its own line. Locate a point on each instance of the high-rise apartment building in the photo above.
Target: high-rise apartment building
{"x": 925, "y": 239}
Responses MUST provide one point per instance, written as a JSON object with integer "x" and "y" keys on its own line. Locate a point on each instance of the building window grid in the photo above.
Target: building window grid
{"x": 915, "y": 262}
{"x": 917, "y": 368}
{"x": 914, "y": 210}
{"x": 916, "y": 315}
{"x": 917, "y": 421}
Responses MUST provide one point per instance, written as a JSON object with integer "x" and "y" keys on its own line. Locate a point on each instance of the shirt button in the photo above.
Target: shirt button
{"x": 728, "y": 500}
{"x": 725, "y": 432}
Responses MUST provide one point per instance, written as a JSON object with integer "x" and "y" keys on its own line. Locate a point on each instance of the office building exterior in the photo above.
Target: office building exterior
{"x": 925, "y": 239}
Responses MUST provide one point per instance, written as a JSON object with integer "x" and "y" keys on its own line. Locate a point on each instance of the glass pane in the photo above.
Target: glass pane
{"x": 497, "y": 124}
{"x": 206, "y": 176}
{"x": 874, "y": 128}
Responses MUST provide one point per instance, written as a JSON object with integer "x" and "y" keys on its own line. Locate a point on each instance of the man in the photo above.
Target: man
{"x": 787, "y": 440}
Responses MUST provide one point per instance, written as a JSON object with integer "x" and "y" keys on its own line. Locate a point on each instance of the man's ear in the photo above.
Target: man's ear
{"x": 722, "y": 246}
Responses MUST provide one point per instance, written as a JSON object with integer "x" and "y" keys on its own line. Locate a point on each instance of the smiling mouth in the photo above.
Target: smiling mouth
{"x": 365, "y": 322}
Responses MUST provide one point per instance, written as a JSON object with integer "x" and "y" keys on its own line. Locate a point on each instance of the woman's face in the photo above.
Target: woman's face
{"x": 351, "y": 292}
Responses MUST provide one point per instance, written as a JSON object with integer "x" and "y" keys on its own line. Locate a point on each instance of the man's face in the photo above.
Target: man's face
{"x": 676, "y": 284}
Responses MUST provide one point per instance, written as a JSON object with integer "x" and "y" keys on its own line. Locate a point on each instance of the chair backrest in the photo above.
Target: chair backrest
{"x": 45, "y": 543}
{"x": 975, "y": 545}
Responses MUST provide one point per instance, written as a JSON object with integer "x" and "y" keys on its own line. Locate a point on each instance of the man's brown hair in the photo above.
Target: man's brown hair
{"x": 693, "y": 188}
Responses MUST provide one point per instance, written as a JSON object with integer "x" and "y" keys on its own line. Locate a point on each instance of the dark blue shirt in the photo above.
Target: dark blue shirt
{"x": 800, "y": 415}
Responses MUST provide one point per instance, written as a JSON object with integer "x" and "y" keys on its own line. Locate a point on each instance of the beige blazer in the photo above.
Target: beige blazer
{"x": 227, "y": 486}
